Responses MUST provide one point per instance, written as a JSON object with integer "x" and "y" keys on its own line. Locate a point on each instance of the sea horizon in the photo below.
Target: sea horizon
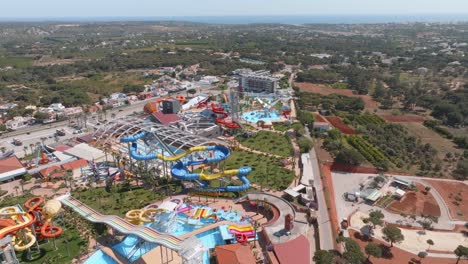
{"x": 271, "y": 19}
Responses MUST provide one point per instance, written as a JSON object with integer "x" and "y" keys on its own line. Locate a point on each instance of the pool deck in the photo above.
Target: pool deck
{"x": 160, "y": 255}
{"x": 277, "y": 227}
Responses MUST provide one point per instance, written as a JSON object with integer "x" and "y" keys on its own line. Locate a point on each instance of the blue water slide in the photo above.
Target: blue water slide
{"x": 132, "y": 138}
{"x": 180, "y": 171}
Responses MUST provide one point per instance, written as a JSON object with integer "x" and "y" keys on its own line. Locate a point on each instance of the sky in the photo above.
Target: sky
{"x": 160, "y": 8}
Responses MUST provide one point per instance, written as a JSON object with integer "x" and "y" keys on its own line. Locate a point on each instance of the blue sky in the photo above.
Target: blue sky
{"x": 155, "y": 8}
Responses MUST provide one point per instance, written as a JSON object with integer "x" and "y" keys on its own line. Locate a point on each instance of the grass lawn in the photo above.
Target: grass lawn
{"x": 16, "y": 62}
{"x": 48, "y": 254}
{"x": 268, "y": 142}
{"x": 266, "y": 171}
{"x": 120, "y": 201}
{"x": 283, "y": 127}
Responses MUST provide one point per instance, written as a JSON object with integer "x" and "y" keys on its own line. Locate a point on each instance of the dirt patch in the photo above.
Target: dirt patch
{"x": 325, "y": 90}
{"x": 338, "y": 123}
{"x": 319, "y": 117}
{"x": 455, "y": 195}
{"x": 416, "y": 203}
{"x": 322, "y": 154}
{"x": 393, "y": 255}
{"x": 403, "y": 118}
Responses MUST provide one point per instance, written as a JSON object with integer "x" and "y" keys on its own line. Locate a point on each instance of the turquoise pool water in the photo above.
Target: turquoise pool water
{"x": 100, "y": 257}
{"x": 255, "y": 116}
{"x": 133, "y": 248}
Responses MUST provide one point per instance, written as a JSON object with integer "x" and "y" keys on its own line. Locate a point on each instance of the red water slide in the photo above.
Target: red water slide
{"x": 224, "y": 118}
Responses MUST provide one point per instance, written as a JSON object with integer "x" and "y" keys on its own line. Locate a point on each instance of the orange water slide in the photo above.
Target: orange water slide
{"x": 45, "y": 229}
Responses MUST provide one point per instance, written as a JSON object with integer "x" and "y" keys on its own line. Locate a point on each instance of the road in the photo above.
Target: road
{"x": 323, "y": 219}
{"x": 33, "y": 134}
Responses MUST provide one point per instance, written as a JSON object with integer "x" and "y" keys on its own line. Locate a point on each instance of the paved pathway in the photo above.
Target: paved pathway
{"x": 323, "y": 219}
{"x": 415, "y": 241}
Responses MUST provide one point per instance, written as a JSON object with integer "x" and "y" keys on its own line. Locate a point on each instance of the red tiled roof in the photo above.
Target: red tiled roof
{"x": 234, "y": 254}
{"x": 10, "y": 164}
{"x": 296, "y": 251}
{"x": 52, "y": 172}
{"x": 165, "y": 119}
{"x": 76, "y": 164}
{"x": 62, "y": 147}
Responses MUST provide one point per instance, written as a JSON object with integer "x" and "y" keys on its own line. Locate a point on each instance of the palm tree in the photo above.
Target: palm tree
{"x": 31, "y": 146}
{"x": 16, "y": 189}
{"x": 22, "y": 182}
{"x": 68, "y": 178}
{"x": 25, "y": 149}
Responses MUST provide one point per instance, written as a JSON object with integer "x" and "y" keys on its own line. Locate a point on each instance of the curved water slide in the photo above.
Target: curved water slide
{"x": 121, "y": 225}
{"x": 13, "y": 224}
{"x": 180, "y": 170}
{"x": 223, "y": 120}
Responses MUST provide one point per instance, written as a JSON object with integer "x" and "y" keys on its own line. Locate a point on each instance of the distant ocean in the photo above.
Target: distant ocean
{"x": 295, "y": 20}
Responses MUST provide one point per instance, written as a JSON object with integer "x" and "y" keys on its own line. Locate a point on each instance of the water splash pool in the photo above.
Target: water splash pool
{"x": 133, "y": 248}
{"x": 263, "y": 115}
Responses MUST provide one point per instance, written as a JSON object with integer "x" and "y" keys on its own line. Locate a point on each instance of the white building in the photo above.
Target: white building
{"x": 58, "y": 107}
{"x": 259, "y": 82}
{"x": 209, "y": 80}
{"x": 18, "y": 122}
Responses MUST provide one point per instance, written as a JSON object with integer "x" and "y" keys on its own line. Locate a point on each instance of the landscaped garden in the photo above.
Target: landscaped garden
{"x": 266, "y": 171}
{"x": 268, "y": 142}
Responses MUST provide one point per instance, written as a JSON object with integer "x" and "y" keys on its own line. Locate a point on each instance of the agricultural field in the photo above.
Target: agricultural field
{"x": 366, "y": 119}
{"x": 326, "y": 90}
{"x": 427, "y": 135}
{"x": 340, "y": 125}
{"x": 370, "y": 152}
{"x": 16, "y": 62}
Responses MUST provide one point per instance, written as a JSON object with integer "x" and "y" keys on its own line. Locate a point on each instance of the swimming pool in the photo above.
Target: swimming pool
{"x": 100, "y": 257}
{"x": 133, "y": 248}
{"x": 263, "y": 115}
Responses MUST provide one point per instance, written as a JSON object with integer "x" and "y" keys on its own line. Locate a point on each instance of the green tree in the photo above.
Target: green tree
{"x": 373, "y": 250}
{"x": 304, "y": 144}
{"x": 323, "y": 257}
{"x": 349, "y": 156}
{"x": 192, "y": 91}
{"x": 41, "y": 116}
{"x": 461, "y": 252}
{"x": 461, "y": 172}
{"x": 430, "y": 242}
{"x": 353, "y": 253}
{"x": 392, "y": 234}
{"x": 375, "y": 218}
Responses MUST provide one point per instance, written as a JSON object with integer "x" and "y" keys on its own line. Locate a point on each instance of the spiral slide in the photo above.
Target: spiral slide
{"x": 180, "y": 171}
{"x": 224, "y": 116}
{"x": 51, "y": 208}
{"x": 17, "y": 223}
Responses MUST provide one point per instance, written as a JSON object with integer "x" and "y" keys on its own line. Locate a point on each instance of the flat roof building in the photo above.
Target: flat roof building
{"x": 11, "y": 168}
{"x": 259, "y": 82}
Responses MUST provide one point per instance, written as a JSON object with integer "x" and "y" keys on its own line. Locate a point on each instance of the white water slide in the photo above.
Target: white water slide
{"x": 195, "y": 101}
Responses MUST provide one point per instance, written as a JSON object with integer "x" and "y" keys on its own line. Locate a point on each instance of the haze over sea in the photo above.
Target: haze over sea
{"x": 300, "y": 19}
